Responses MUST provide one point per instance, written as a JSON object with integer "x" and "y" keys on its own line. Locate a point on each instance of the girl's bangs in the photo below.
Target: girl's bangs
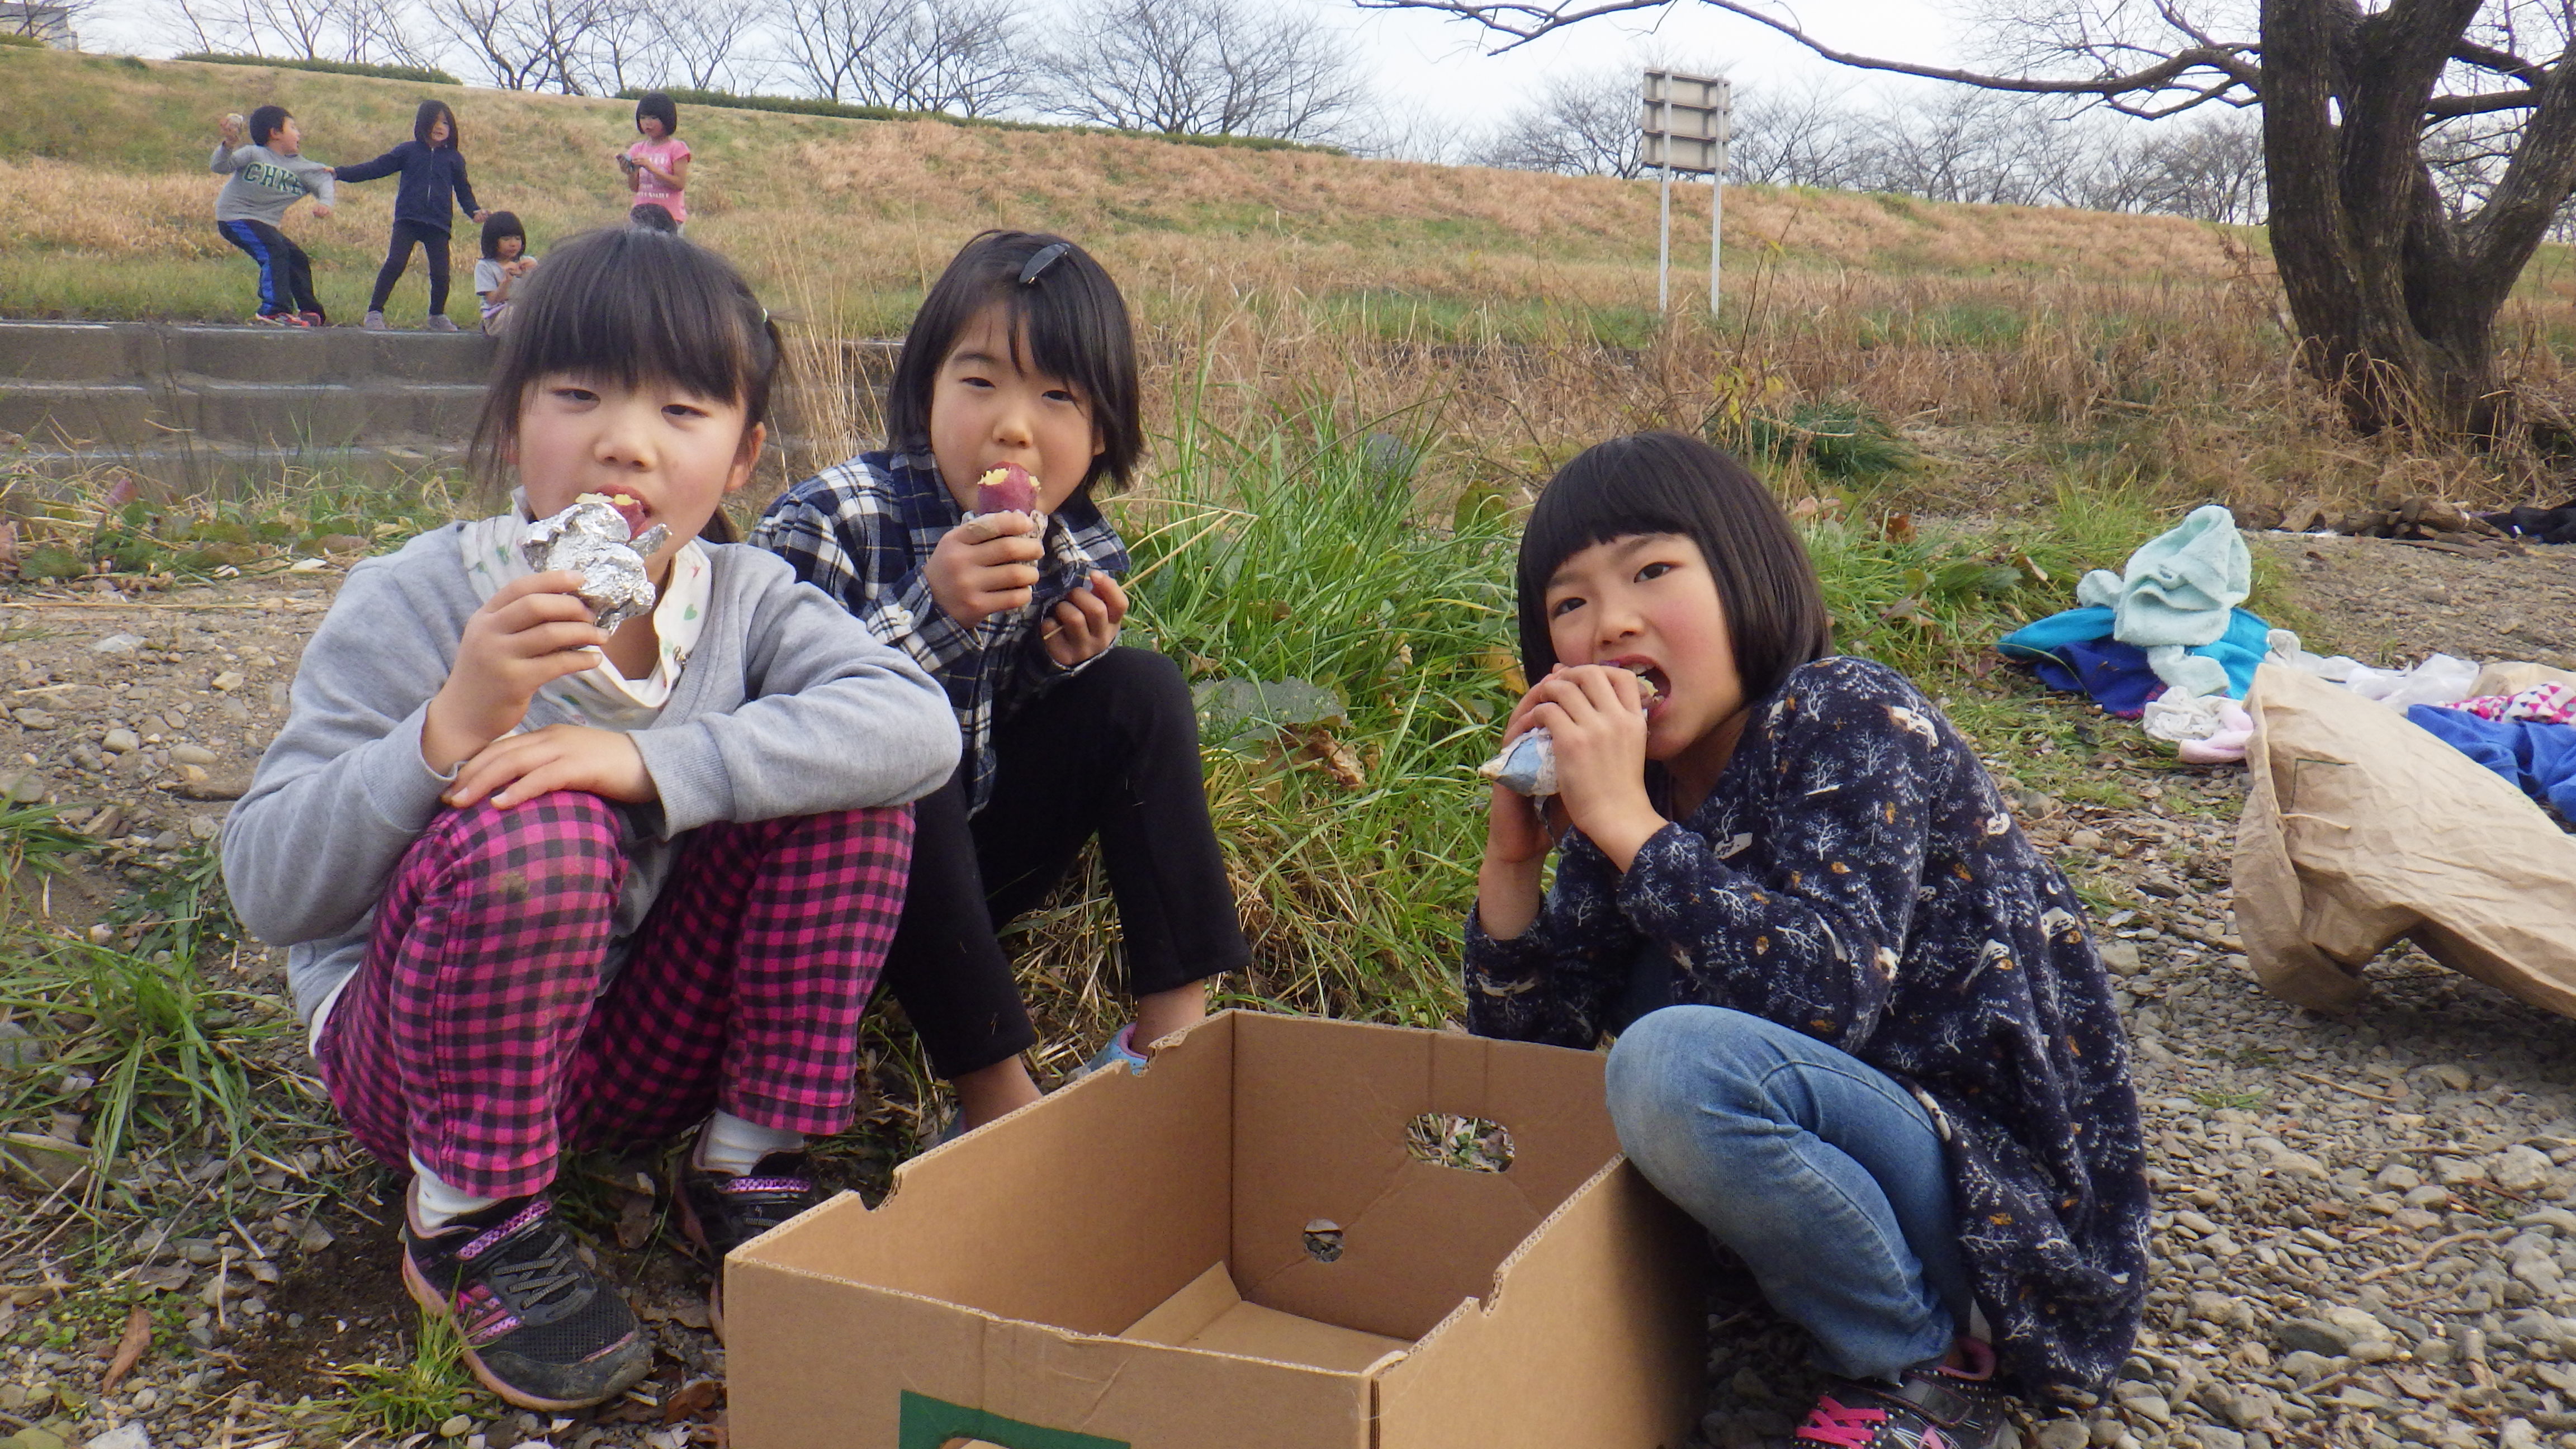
{"x": 1058, "y": 346}
{"x": 642, "y": 323}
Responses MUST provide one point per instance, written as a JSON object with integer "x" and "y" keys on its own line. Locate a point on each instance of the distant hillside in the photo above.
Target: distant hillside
{"x": 105, "y": 208}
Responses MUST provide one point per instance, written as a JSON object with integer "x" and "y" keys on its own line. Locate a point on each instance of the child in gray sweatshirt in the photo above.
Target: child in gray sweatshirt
{"x": 552, "y": 887}
{"x": 266, "y": 177}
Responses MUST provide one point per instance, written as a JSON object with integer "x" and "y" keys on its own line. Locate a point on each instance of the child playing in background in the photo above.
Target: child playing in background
{"x": 590, "y": 888}
{"x": 433, "y": 185}
{"x": 266, "y": 177}
{"x": 505, "y": 261}
{"x": 657, "y": 167}
{"x": 651, "y": 217}
{"x": 1865, "y": 1040}
{"x": 1022, "y": 354}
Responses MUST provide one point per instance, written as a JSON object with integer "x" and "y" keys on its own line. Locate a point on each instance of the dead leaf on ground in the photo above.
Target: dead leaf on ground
{"x": 634, "y": 1220}
{"x": 691, "y": 1400}
{"x": 129, "y": 1349}
{"x": 1333, "y": 755}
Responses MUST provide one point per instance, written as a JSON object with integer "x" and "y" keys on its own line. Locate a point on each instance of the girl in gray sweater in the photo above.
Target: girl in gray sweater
{"x": 548, "y": 886}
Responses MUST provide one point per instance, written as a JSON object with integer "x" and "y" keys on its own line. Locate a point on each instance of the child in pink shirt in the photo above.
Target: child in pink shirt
{"x": 657, "y": 167}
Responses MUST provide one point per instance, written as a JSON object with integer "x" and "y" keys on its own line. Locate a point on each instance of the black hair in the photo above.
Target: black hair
{"x": 1669, "y": 483}
{"x": 1069, "y": 313}
{"x": 265, "y": 121}
{"x": 631, "y": 306}
{"x": 431, "y": 112}
{"x": 499, "y": 224}
{"x": 654, "y": 103}
{"x": 652, "y": 216}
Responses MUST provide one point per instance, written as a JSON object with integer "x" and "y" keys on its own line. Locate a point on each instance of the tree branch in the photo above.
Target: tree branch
{"x": 2502, "y": 62}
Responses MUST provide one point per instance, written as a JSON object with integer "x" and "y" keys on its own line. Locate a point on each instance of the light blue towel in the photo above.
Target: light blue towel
{"x": 2178, "y": 588}
{"x": 2225, "y": 665}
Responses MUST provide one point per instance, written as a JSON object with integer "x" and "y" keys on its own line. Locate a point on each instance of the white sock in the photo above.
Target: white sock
{"x": 733, "y": 1146}
{"x": 435, "y": 1204}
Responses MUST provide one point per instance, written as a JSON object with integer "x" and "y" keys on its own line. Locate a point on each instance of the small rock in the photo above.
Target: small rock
{"x": 38, "y": 1439}
{"x": 128, "y": 1435}
{"x": 314, "y": 1238}
{"x": 2063, "y": 1434}
{"x": 2214, "y": 1437}
{"x": 192, "y": 755}
{"x": 118, "y": 644}
{"x": 228, "y": 681}
{"x": 2398, "y": 1177}
{"x": 2519, "y": 1168}
{"x": 2452, "y": 1075}
{"x": 2120, "y": 958}
{"x": 33, "y": 718}
{"x": 227, "y": 784}
{"x": 455, "y": 1427}
{"x": 18, "y": 1048}
{"x": 2087, "y": 839}
{"x": 168, "y": 840}
{"x": 2306, "y": 1366}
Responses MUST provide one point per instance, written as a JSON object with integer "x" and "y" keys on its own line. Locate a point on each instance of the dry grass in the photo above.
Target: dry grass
{"x": 1504, "y": 316}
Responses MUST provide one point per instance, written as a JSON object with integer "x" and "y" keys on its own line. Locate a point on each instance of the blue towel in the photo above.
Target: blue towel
{"x": 2540, "y": 759}
{"x": 2238, "y": 652}
{"x": 2115, "y": 674}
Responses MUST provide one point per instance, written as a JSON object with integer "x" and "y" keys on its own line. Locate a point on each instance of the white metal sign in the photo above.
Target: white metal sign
{"x": 1684, "y": 126}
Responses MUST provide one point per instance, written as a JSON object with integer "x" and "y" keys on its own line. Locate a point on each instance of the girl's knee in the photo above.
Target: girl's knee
{"x": 564, "y": 826}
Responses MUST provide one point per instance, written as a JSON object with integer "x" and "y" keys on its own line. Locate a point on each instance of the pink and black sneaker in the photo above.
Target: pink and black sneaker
{"x": 719, "y": 1212}
{"x": 541, "y": 1328}
{"x": 1932, "y": 1407}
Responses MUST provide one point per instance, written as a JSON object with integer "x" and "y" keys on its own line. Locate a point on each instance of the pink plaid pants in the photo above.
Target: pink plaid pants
{"x": 476, "y": 1036}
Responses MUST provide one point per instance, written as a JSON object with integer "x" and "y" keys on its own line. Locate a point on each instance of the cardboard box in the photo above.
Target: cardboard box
{"x": 1237, "y": 1249}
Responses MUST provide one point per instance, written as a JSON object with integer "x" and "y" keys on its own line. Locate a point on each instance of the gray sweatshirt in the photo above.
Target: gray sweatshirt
{"x": 264, "y": 184}
{"x": 788, "y": 707}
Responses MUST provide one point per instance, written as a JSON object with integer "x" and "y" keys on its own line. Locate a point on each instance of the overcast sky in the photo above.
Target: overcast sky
{"x": 1443, "y": 68}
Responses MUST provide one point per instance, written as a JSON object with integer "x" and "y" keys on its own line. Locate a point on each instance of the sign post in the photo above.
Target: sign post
{"x": 1685, "y": 127}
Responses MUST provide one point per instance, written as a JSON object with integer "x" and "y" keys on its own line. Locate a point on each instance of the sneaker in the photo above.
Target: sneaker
{"x": 274, "y": 319}
{"x": 314, "y": 319}
{"x": 438, "y": 324}
{"x": 1120, "y": 1051}
{"x": 1931, "y": 1408}
{"x": 719, "y": 1213}
{"x": 375, "y": 322}
{"x": 541, "y": 1328}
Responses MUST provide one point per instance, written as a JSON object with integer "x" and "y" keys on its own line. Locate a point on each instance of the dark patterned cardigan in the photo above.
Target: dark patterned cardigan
{"x": 1855, "y": 876}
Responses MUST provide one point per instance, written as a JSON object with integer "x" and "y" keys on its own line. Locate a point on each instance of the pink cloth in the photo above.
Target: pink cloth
{"x": 2541, "y": 704}
{"x": 665, "y": 154}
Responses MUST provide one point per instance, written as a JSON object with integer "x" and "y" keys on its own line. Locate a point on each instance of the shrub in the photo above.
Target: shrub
{"x": 422, "y": 74}
{"x": 811, "y": 106}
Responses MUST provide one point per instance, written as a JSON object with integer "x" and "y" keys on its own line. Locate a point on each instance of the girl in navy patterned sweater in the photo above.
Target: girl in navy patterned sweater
{"x": 1862, "y": 1035}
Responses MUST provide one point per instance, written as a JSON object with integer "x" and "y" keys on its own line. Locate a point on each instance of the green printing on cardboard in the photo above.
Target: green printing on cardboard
{"x": 930, "y": 1423}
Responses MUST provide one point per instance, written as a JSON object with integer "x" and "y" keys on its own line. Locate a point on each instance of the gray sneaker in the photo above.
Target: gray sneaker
{"x": 375, "y": 322}
{"x": 438, "y": 324}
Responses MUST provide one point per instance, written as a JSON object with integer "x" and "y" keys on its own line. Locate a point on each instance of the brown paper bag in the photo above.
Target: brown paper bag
{"x": 2361, "y": 827}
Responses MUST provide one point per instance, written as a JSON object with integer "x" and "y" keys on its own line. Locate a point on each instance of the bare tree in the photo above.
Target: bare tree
{"x": 699, "y": 40}
{"x": 1204, "y": 67}
{"x": 346, "y": 30}
{"x": 1796, "y": 137}
{"x": 1582, "y": 124}
{"x": 2395, "y": 294}
{"x": 539, "y": 45}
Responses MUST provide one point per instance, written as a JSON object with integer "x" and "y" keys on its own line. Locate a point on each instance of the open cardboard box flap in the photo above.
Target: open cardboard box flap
{"x": 996, "y": 1279}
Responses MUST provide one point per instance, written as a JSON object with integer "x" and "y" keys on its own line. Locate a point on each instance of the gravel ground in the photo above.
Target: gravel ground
{"x": 2366, "y": 1230}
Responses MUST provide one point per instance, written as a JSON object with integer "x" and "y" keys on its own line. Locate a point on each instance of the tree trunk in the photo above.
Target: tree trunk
{"x": 2395, "y": 303}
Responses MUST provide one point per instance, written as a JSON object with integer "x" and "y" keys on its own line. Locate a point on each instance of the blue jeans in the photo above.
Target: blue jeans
{"x": 1821, "y": 1173}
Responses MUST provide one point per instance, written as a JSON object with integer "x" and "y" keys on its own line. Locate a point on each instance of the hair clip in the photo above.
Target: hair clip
{"x": 1046, "y": 257}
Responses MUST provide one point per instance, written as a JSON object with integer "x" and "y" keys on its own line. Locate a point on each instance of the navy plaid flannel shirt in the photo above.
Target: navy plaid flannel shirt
{"x": 862, "y": 532}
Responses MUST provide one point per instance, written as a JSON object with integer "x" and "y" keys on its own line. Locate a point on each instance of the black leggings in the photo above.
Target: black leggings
{"x": 433, "y": 248}
{"x": 1112, "y": 752}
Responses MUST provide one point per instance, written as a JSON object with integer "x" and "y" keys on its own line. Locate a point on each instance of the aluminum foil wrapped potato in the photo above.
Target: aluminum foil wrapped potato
{"x": 1527, "y": 766}
{"x": 592, "y": 539}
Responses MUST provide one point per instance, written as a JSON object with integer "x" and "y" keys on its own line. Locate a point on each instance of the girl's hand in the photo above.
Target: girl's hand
{"x": 984, "y": 567}
{"x": 1597, "y": 716}
{"x": 518, "y": 768}
{"x": 482, "y": 216}
{"x": 530, "y": 633}
{"x": 1086, "y": 623}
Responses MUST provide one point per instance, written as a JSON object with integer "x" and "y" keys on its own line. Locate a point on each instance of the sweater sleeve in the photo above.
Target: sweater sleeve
{"x": 838, "y": 721}
{"x": 899, "y": 608}
{"x": 227, "y": 160}
{"x": 382, "y": 166}
{"x": 343, "y": 791}
{"x": 1853, "y": 760}
{"x": 1553, "y": 982}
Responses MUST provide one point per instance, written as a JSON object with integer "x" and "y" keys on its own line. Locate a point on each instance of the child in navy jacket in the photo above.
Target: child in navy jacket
{"x": 433, "y": 185}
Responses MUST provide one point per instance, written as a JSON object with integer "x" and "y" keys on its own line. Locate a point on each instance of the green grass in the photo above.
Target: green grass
{"x": 418, "y": 1394}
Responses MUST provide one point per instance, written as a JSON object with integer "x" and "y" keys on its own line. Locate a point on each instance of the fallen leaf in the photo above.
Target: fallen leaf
{"x": 129, "y": 1350}
{"x": 168, "y": 1277}
{"x": 634, "y": 1220}
{"x": 1333, "y": 755}
{"x": 690, "y": 1401}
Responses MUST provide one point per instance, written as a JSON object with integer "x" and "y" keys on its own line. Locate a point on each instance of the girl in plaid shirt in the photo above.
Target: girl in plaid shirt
{"x": 1022, "y": 354}
{"x": 550, "y": 887}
